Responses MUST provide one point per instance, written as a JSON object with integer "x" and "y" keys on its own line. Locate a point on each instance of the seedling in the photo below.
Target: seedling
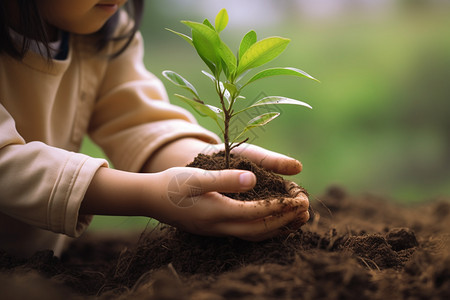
{"x": 227, "y": 74}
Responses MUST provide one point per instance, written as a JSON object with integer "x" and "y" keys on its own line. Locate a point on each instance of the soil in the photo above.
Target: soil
{"x": 268, "y": 185}
{"x": 353, "y": 247}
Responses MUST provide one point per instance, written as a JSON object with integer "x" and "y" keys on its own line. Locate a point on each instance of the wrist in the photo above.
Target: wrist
{"x": 114, "y": 192}
{"x": 118, "y": 193}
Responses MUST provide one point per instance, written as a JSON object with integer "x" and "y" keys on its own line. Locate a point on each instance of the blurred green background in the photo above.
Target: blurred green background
{"x": 381, "y": 119}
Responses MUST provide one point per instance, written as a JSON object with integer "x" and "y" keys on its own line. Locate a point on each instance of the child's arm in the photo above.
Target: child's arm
{"x": 193, "y": 204}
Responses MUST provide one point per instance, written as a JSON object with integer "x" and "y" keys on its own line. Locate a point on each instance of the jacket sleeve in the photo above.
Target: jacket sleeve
{"x": 133, "y": 117}
{"x": 41, "y": 185}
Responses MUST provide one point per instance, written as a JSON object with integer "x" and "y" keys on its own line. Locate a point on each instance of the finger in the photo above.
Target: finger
{"x": 270, "y": 160}
{"x": 261, "y": 229}
{"x": 298, "y": 222}
{"x": 244, "y": 211}
{"x": 197, "y": 181}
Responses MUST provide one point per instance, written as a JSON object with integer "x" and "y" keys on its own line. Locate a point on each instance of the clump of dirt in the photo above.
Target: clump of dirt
{"x": 354, "y": 247}
{"x": 268, "y": 184}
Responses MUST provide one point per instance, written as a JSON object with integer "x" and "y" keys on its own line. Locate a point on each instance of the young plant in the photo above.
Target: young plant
{"x": 227, "y": 74}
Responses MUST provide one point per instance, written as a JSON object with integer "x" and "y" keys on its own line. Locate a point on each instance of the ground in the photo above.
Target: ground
{"x": 354, "y": 247}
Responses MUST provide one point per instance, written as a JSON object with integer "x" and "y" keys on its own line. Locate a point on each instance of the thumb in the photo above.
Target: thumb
{"x": 269, "y": 160}
{"x": 225, "y": 181}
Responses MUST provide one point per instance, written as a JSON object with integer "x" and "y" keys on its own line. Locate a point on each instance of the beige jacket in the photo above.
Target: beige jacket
{"x": 46, "y": 110}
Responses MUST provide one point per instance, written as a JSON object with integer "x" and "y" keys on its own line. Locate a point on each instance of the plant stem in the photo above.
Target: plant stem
{"x": 226, "y": 140}
{"x": 227, "y": 116}
{"x": 238, "y": 144}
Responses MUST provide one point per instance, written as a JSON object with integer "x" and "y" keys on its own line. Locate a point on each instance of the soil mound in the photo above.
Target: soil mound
{"x": 354, "y": 247}
{"x": 268, "y": 185}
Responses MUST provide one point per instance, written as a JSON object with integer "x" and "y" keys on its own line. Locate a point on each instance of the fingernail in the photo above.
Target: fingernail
{"x": 246, "y": 179}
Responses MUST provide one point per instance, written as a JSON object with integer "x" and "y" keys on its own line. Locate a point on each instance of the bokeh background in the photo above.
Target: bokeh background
{"x": 380, "y": 122}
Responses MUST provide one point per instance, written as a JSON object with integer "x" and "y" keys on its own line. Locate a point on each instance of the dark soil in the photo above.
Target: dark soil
{"x": 353, "y": 247}
{"x": 268, "y": 185}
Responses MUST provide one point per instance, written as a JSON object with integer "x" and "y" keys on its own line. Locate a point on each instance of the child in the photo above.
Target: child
{"x": 68, "y": 68}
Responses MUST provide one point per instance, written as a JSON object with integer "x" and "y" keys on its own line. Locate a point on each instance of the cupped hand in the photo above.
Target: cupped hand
{"x": 267, "y": 159}
{"x": 191, "y": 199}
{"x": 170, "y": 156}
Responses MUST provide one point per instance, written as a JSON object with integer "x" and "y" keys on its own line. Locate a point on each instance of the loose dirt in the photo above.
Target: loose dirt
{"x": 353, "y": 247}
{"x": 268, "y": 185}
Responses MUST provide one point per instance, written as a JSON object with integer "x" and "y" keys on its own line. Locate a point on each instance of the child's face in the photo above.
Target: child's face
{"x": 78, "y": 16}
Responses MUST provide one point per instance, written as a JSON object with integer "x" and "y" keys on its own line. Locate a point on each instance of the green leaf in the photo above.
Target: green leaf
{"x": 180, "y": 81}
{"x": 261, "y": 120}
{"x": 248, "y": 40}
{"x": 205, "y": 41}
{"x": 202, "y": 109}
{"x": 208, "y": 23}
{"x": 206, "y": 50}
{"x": 211, "y": 48}
{"x": 262, "y": 52}
{"x": 275, "y": 100}
{"x": 241, "y": 75}
{"x": 221, "y": 20}
{"x": 231, "y": 87}
{"x": 229, "y": 59}
{"x": 185, "y": 37}
{"x": 210, "y": 65}
{"x": 208, "y": 62}
{"x": 279, "y": 71}
{"x": 215, "y": 109}
{"x": 210, "y": 76}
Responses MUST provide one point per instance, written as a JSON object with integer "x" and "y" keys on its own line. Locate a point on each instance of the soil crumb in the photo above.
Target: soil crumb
{"x": 268, "y": 184}
{"x": 354, "y": 247}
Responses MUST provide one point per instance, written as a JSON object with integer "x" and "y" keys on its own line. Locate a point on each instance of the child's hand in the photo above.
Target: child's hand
{"x": 165, "y": 158}
{"x": 269, "y": 160}
{"x": 190, "y": 200}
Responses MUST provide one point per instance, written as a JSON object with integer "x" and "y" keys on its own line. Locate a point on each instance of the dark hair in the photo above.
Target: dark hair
{"x": 31, "y": 22}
